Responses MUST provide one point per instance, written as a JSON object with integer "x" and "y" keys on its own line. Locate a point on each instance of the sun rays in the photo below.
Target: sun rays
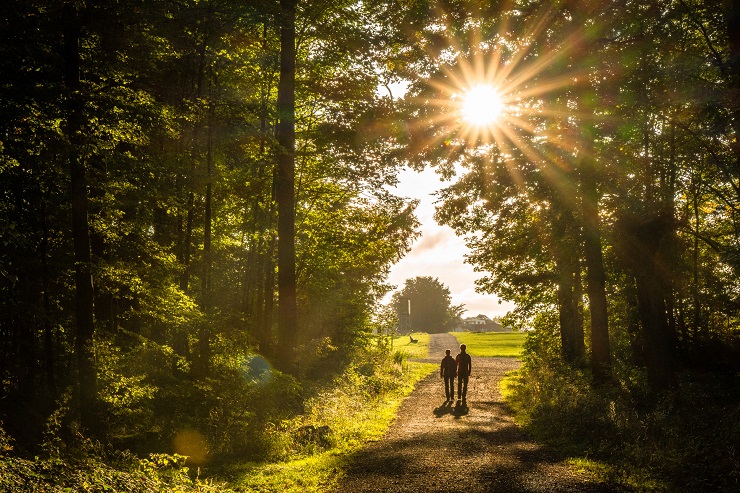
{"x": 502, "y": 92}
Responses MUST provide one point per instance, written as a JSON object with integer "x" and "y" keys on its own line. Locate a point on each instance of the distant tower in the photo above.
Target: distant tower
{"x": 404, "y": 315}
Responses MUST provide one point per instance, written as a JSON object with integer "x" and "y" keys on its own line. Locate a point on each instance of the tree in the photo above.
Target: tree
{"x": 285, "y": 186}
{"x": 431, "y": 305}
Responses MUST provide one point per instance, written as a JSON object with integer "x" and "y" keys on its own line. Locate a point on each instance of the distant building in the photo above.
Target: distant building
{"x": 481, "y": 323}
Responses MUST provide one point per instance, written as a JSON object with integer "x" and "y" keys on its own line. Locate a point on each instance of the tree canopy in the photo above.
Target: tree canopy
{"x": 432, "y": 310}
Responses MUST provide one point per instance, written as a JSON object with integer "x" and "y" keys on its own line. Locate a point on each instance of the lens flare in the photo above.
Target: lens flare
{"x": 257, "y": 369}
{"x": 192, "y": 444}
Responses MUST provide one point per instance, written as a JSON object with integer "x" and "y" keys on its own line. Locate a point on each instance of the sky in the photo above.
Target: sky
{"x": 438, "y": 252}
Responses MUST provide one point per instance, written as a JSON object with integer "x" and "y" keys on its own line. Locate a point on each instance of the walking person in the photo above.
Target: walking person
{"x": 447, "y": 370}
{"x": 464, "y": 368}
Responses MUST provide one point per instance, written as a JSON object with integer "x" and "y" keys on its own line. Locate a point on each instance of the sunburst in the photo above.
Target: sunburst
{"x": 482, "y": 105}
{"x": 495, "y": 92}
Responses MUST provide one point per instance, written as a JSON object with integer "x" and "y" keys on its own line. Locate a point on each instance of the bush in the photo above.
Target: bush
{"x": 86, "y": 465}
{"x": 685, "y": 439}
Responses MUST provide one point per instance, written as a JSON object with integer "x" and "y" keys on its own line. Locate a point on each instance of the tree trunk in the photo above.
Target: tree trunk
{"x": 579, "y": 344}
{"x": 733, "y": 31}
{"x": 640, "y": 243}
{"x": 564, "y": 265}
{"x": 84, "y": 348}
{"x": 285, "y": 189}
{"x": 204, "y": 339}
{"x": 583, "y": 12}
{"x": 595, "y": 276}
{"x": 49, "y": 353}
{"x": 187, "y": 243}
{"x": 268, "y": 302}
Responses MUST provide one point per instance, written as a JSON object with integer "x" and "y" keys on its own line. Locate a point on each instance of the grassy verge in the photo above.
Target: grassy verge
{"x": 418, "y": 349}
{"x": 353, "y": 415}
{"x": 492, "y": 344}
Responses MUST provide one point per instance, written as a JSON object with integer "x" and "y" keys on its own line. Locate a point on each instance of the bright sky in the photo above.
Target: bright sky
{"x": 439, "y": 252}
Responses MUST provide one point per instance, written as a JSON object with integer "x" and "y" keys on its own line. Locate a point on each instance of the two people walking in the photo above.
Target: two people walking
{"x": 460, "y": 367}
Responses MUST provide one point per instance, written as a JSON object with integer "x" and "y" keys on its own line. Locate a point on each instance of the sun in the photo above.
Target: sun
{"x": 482, "y": 105}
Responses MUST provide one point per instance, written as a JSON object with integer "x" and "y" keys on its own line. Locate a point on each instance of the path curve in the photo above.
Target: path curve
{"x": 435, "y": 447}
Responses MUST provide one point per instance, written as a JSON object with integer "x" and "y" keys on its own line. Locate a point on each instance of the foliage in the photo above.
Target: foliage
{"x": 88, "y": 466}
{"x": 490, "y": 344}
{"x": 431, "y": 305}
{"x": 608, "y": 194}
{"x": 355, "y": 407}
{"x": 171, "y": 130}
{"x": 679, "y": 440}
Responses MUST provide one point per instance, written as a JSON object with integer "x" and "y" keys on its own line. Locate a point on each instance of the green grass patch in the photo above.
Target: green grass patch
{"x": 636, "y": 479}
{"x": 492, "y": 344}
{"x": 352, "y": 413}
{"x": 413, "y": 349}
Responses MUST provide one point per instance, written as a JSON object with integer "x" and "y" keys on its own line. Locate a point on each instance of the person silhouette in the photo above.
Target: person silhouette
{"x": 447, "y": 370}
{"x": 464, "y": 368}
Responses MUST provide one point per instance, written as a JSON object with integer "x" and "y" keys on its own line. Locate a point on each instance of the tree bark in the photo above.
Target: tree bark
{"x": 285, "y": 189}
{"x": 564, "y": 255}
{"x": 733, "y": 31}
{"x": 595, "y": 275}
{"x": 84, "y": 347}
{"x": 640, "y": 244}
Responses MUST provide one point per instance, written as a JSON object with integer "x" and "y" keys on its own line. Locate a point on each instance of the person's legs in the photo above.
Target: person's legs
{"x": 459, "y": 386}
{"x": 464, "y": 382}
{"x": 451, "y": 392}
{"x": 447, "y": 387}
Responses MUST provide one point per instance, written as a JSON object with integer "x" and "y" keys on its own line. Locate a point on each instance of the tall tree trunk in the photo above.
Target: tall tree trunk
{"x": 697, "y": 324}
{"x": 49, "y": 353}
{"x": 204, "y": 337}
{"x": 583, "y": 12}
{"x": 640, "y": 242}
{"x": 285, "y": 189}
{"x": 595, "y": 275}
{"x": 733, "y": 31}
{"x": 187, "y": 243}
{"x": 564, "y": 262}
{"x": 578, "y": 343}
{"x": 84, "y": 349}
{"x": 265, "y": 336}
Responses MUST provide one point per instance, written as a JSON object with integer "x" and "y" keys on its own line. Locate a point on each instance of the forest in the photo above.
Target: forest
{"x": 198, "y": 220}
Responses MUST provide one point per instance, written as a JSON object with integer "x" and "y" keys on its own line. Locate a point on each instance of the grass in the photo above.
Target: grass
{"x": 492, "y": 344}
{"x": 413, "y": 349}
{"x": 353, "y": 422}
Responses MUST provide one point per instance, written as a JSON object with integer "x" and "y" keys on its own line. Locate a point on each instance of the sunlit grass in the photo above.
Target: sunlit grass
{"x": 353, "y": 421}
{"x": 413, "y": 349}
{"x": 601, "y": 471}
{"x": 492, "y": 344}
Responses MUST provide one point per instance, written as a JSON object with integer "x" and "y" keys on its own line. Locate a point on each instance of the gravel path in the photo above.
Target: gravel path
{"x": 437, "y": 447}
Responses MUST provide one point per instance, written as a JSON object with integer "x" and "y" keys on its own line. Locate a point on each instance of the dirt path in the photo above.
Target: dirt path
{"x": 435, "y": 447}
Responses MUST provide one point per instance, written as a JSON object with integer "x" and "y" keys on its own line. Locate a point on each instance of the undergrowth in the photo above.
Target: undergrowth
{"x": 358, "y": 406}
{"x": 683, "y": 440}
{"x": 276, "y": 444}
{"x": 87, "y": 466}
